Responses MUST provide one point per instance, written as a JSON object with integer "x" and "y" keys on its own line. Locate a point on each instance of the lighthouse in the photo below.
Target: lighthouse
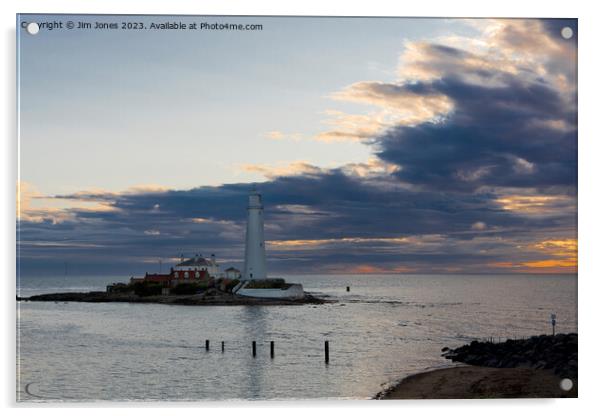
{"x": 254, "y": 282}
{"x": 255, "y": 267}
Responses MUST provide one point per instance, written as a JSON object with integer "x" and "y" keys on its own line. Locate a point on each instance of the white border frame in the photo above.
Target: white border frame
{"x": 589, "y": 171}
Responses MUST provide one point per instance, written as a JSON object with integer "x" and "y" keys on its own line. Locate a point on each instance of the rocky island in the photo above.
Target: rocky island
{"x": 211, "y": 296}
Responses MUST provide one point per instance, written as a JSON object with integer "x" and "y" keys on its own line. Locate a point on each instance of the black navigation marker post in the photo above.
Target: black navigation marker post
{"x": 271, "y": 349}
{"x": 553, "y": 319}
{"x": 222, "y": 346}
{"x": 207, "y": 344}
{"x": 254, "y": 348}
{"x": 326, "y": 352}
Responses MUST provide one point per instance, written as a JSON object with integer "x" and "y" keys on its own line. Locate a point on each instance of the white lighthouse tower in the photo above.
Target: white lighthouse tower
{"x": 254, "y": 279}
{"x": 255, "y": 265}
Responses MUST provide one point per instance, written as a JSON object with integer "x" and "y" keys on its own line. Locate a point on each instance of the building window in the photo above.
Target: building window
{"x": 186, "y": 275}
{"x": 197, "y": 274}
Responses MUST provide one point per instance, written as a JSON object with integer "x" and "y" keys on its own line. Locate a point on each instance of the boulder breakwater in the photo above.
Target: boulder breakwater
{"x": 557, "y": 353}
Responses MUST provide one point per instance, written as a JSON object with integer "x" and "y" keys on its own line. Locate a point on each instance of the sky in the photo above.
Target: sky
{"x": 380, "y": 145}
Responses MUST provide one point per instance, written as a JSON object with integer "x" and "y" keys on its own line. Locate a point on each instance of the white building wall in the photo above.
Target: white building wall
{"x": 212, "y": 268}
{"x": 189, "y": 268}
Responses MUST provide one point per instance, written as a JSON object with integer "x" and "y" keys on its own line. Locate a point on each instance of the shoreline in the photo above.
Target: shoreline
{"x": 475, "y": 382}
{"x": 516, "y": 368}
{"x": 216, "y": 298}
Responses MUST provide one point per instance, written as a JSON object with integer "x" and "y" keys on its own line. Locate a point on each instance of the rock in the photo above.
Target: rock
{"x": 557, "y": 353}
{"x": 492, "y": 362}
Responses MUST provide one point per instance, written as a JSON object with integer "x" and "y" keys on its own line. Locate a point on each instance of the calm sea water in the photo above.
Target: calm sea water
{"x": 386, "y": 327}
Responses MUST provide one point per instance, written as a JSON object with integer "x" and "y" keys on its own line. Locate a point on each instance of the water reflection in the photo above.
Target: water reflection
{"x": 254, "y": 319}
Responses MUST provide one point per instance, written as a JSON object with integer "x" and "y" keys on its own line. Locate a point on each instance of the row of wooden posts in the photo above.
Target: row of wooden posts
{"x": 254, "y": 349}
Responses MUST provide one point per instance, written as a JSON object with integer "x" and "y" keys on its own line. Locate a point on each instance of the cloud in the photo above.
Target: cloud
{"x": 488, "y": 141}
{"x": 353, "y": 127}
{"x": 314, "y": 223}
{"x": 479, "y": 225}
{"x": 289, "y": 169}
{"x": 537, "y": 204}
{"x": 505, "y": 54}
{"x": 373, "y": 168}
{"x": 33, "y": 206}
{"x": 411, "y": 103}
{"x": 279, "y": 135}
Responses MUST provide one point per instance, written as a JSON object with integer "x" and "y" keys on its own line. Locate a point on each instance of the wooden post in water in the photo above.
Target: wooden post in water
{"x": 207, "y": 344}
{"x": 326, "y": 352}
{"x": 348, "y": 288}
{"x": 271, "y": 349}
{"x": 254, "y": 348}
{"x": 222, "y": 346}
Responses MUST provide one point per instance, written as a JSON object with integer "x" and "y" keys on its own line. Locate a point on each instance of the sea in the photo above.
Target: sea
{"x": 384, "y": 328}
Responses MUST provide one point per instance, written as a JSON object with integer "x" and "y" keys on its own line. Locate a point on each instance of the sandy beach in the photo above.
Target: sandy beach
{"x": 472, "y": 382}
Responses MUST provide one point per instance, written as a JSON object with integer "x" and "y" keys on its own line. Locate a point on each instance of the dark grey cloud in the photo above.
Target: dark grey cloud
{"x": 496, "y": 136}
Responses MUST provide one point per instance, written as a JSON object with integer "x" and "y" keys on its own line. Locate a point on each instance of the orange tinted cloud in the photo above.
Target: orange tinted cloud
{"x": 396, "y": 106}
{"x": 551, "y": 263}
{"x": 561, "y": 247}
{"x": 561, "y": 257}
{"x": 309, "y": 244}
{"x": 33, "y": 206}
{"x": 531, "y": 204}
{"x": 290, "y": 169}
